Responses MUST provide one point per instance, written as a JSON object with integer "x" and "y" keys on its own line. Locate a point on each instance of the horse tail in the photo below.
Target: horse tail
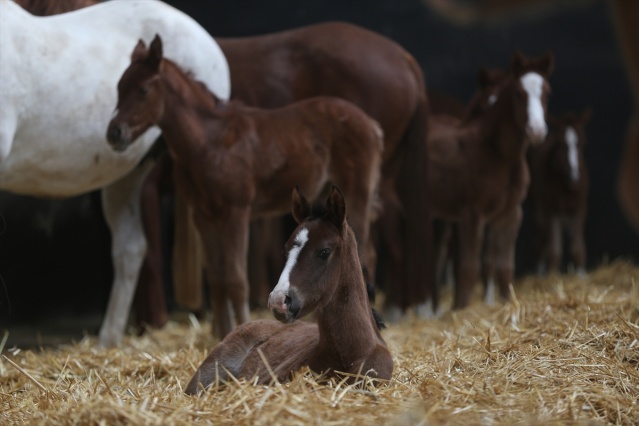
{"x": 412, "y": 189}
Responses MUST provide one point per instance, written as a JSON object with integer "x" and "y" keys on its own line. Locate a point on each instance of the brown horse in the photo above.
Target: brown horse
{"x": 385, "y": 81}
{"x": 558, "y": 191}
{"x": 53, "y": 7}
{"x": 236, "y": 163}
{"x": 625, "y": 16}
{"x": 478, "y": 173}
{"x": 323, "y": 275}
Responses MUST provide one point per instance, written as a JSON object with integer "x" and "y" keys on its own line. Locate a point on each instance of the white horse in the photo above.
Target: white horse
{"x": 57, "y": 94}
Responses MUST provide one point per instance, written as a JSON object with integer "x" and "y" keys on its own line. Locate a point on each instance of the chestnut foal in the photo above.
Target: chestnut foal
{"x": 323, "y": 275}
{"x": 236, "y": 163}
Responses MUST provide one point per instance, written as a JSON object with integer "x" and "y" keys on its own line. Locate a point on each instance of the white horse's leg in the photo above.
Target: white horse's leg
{"x": 8, "y": 125}
{"x": 121, "y": 205}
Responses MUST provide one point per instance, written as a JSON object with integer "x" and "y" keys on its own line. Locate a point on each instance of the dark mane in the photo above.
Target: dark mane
{"x": 202, "y": 89}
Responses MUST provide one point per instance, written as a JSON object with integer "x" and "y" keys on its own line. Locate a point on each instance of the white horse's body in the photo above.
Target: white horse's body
{"x": 58, "y": 79}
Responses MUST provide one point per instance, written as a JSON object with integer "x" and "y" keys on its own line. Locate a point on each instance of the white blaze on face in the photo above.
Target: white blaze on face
{"x": 492, "y": 99}
{"x": 533, "y": 84}
{"x": 573, "y": 153}
{"x": 284, "y": 282}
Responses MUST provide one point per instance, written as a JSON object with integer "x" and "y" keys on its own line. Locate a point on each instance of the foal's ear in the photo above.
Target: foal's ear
{"x": 483, "y": 77}
{"x": 336, "y": 208}
{"x": 518, "y": 63}
{"x": 155, "y": 52}
{"x": 546, "y": 63}
{"x": 139, "y": 52}
{"x": 586, "y": 115}
{"x": 301, "y": 207}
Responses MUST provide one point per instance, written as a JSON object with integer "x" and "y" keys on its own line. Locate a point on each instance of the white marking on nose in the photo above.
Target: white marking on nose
{"x": 533, "y": 85}
{"x": 284, "y": 282}
{"x": 573, "y": 159}
{"x": 492, "y": 99}
{"x": 115, "y": 113}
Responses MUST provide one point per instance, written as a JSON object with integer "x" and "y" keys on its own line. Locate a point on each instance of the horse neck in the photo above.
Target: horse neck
{"x": 187, "y": 107}
{"x": 346, "y": 323}
{"x": 500, "y": 132}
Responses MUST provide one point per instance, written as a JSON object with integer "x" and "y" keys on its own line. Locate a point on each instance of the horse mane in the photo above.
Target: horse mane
{"x": 203, "y": 91}
{"x": 48, "y": 7}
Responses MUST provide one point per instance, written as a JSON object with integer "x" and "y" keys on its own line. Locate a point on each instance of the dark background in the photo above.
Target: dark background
{"x": 55, "y": 258}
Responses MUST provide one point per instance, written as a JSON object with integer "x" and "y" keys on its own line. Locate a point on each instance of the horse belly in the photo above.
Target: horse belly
{"x": 53, "y": 166}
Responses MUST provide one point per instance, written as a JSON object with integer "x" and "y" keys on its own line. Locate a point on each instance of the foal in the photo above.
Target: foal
{"x": 478, "y": 174}
{"x": 558, "y": 190}
{"x": 236, "y": 163}
{"x": 323, "y": 275}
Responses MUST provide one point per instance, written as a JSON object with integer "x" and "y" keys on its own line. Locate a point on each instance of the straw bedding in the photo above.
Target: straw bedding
{"x": 564, "y": 351}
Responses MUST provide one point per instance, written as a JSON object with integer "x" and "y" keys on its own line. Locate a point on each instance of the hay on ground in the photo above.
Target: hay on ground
{"x": 564, "y": 351}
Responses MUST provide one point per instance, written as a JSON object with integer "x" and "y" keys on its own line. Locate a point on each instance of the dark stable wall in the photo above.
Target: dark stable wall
{"x": 588, "y": 72}
{"x": 57, "y": 260}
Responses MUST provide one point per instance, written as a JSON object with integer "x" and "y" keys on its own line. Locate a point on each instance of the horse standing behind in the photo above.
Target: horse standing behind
{"x": 322, "y": 275}
{"x": 478, "y": 174}
{"x": 559, "y": 191}
{"x": 58, "y": 92}
{"x": 236, "y": 163}
{"x": 379, "y": 76}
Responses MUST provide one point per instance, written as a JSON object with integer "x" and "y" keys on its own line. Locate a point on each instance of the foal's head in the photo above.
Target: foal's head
{"x": 319, "y": 252}
{"x": 140, "y": 96}
{"x": 530, "y": 90}
{"x": 490, "y": 81}
{"x": 566, "y": 145}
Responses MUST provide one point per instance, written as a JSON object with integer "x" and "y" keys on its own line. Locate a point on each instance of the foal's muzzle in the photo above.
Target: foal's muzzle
{"x": 119, "y": 136}
{"x": 285, "y": 307}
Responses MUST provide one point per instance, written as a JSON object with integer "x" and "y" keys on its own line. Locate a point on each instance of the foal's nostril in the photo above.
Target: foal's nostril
{"x": 288, "y": 301}
{"x": 114, "y": 134}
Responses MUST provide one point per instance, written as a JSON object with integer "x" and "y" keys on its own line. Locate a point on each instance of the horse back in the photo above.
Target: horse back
{"x": 307, "y": 143}
{"x": 329, "y": 59}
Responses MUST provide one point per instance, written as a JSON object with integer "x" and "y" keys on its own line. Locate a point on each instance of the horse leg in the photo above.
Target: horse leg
{"x": 211, "y": 242}
{"x": 226, "y": 251}
{"x": 553, "y": 249}
{"x": 121, "y": 205}
{"x": 540, "y": 241}
{"x": 628, "y": 177}
{"x": 489, "y": 263}
{"x": 235, "y": 263}
{"x": 187, "y": 257}
{"x": 388, "y": 227}
{"x": 471, "y": 235}
{"x": 150, "y": 301}
{"x": 502, "y": 241}
{"x": 625, "y": 18}
{"x": 8, "y": 125}
{"x": 227, "y": 357}
{"x": 577, "y": 244}
{"x": 264, "y": 235}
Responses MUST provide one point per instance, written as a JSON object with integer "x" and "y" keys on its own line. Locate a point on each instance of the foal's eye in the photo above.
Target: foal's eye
{"x": 143, "y": 90}
{"x": 324, "y": 254}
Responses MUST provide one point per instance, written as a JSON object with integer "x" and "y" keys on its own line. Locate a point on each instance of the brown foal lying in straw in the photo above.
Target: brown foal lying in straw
{"x": 322, "y": 274}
